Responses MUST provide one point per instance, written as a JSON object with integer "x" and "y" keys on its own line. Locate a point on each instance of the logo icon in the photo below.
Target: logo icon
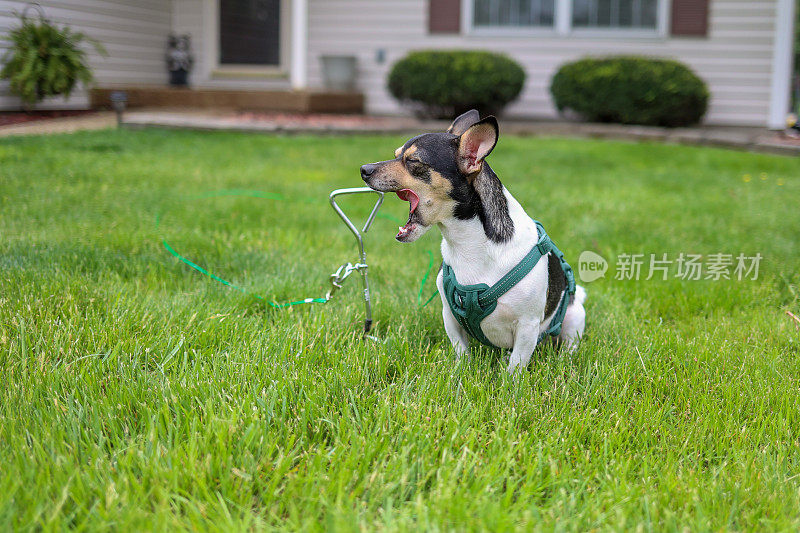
{"x": 591, "y": 266}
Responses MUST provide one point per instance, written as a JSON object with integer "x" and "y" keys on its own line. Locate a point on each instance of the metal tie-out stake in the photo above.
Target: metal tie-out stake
{"x": 346, "y": 269}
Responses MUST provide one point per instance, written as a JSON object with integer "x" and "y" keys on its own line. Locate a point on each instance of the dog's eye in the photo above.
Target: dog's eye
{"x": 416, "y": 167}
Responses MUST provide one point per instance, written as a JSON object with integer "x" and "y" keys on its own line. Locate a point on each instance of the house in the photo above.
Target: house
{"x": 742, "y": 48}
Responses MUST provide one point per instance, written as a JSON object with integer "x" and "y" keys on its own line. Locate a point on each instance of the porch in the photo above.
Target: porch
{"x": 273, "y": 100}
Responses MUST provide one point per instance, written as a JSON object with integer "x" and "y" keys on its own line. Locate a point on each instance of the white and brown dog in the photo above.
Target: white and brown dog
{"x": 486, "y": 233}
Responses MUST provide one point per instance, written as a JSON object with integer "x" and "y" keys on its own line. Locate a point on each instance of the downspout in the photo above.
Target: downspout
{"x": 298, "y": 73}
{"x": 782, "y": 56}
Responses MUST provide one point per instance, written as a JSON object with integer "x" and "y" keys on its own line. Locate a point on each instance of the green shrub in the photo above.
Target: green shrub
{"x": 631, "y": 90}
{"x": 44, "y": 60}
{"x": 446, "y": 83}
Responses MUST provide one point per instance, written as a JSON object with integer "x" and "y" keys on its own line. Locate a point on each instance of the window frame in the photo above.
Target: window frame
{"x": 468, "y": 22}
{"x": 223, "y": 71}
{"x": 562, "y": 25}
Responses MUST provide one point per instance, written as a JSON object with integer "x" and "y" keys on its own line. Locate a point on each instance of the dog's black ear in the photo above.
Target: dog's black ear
{"x": 476, "y": 143}
{"x": 463, "y": 122}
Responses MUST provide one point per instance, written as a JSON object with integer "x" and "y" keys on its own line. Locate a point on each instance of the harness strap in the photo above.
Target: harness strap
{"x": 557, "y": 321}
{"x": 521, "y": 269}
{"x": 470, "y": 304}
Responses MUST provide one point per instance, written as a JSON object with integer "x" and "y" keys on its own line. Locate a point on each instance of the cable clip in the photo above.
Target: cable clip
{"x": 341, "y": 274}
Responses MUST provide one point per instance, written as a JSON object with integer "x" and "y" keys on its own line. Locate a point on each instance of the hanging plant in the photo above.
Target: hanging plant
{"x": 45, "y": 60}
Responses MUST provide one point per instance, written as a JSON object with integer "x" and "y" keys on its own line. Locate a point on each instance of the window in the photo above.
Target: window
{"x": 636, "y": 17}
{"x": 513, "y": 13}
{"x": 249, "y": 32}
{"x": 615, "y": 14}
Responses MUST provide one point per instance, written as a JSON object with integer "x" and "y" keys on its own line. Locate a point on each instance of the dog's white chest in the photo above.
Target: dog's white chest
{"x": 483, "y": 261}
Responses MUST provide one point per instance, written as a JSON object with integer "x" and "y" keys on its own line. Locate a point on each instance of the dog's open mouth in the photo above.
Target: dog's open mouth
{"x": 413, "y": 201}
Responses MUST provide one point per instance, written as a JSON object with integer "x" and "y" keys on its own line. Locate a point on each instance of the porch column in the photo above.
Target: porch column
{"x": 780, "y": 95}
{"x": 298, "y": 73}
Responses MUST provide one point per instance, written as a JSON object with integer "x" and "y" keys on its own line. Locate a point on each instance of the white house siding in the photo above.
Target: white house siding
{"x": 187, "y": 18}
{"x": 133, "y": 32}
{"x": 735, "y": 58}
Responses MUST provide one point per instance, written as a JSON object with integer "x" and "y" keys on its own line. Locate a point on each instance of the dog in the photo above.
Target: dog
{"x": 486, "y": 234}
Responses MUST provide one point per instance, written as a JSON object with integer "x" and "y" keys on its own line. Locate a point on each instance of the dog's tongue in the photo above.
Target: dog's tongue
{"x": 413, "y": 201}
{"x": 409, "y": 196}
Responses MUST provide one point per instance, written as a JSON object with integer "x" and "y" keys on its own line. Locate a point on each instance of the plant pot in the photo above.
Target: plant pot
{"x": 339, "y": 72}
{"x": 179, "y": 78}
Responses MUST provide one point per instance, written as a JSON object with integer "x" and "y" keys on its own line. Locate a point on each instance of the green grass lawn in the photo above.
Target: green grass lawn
{"x": 138, "y": 394}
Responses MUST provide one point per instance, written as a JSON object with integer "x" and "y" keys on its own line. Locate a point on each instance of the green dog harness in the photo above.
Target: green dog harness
{"x": 470, "y": 304}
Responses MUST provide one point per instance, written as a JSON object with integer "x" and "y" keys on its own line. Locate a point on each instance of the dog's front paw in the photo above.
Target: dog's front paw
{"x": 460, "y": 349}
{"x": 514, "y": 368}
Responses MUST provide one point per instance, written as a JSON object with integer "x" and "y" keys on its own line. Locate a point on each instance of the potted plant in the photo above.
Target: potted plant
{"x": 45, "y": 60}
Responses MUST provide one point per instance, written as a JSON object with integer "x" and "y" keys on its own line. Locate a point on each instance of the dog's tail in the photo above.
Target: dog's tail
{"x": 580, "y": 295}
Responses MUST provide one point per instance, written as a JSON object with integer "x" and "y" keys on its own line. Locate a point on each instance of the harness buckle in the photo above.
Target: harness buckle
{"x": 543, "y": 247}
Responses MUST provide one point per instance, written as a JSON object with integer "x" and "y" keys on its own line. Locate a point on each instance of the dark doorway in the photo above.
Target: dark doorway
{"x": 249, "y": 32}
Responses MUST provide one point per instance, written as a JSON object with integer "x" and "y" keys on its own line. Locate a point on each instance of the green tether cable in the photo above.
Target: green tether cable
{"x": 276, "y": 196}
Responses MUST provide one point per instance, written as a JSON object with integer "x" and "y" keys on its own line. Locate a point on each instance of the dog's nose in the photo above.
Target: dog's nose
{"x": 367, "y": 171}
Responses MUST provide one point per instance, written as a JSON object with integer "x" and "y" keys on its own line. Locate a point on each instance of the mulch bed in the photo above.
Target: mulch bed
{"x": 789, "y": 137}
{"x": 8, "y": 118}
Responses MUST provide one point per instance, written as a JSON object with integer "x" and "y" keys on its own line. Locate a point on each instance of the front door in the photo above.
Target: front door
{"x": 249, "y": 32}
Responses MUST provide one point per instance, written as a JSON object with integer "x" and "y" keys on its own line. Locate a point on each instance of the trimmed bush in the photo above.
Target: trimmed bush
{"x": 446, "y": 83}
{"x": 631, "y": 90}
